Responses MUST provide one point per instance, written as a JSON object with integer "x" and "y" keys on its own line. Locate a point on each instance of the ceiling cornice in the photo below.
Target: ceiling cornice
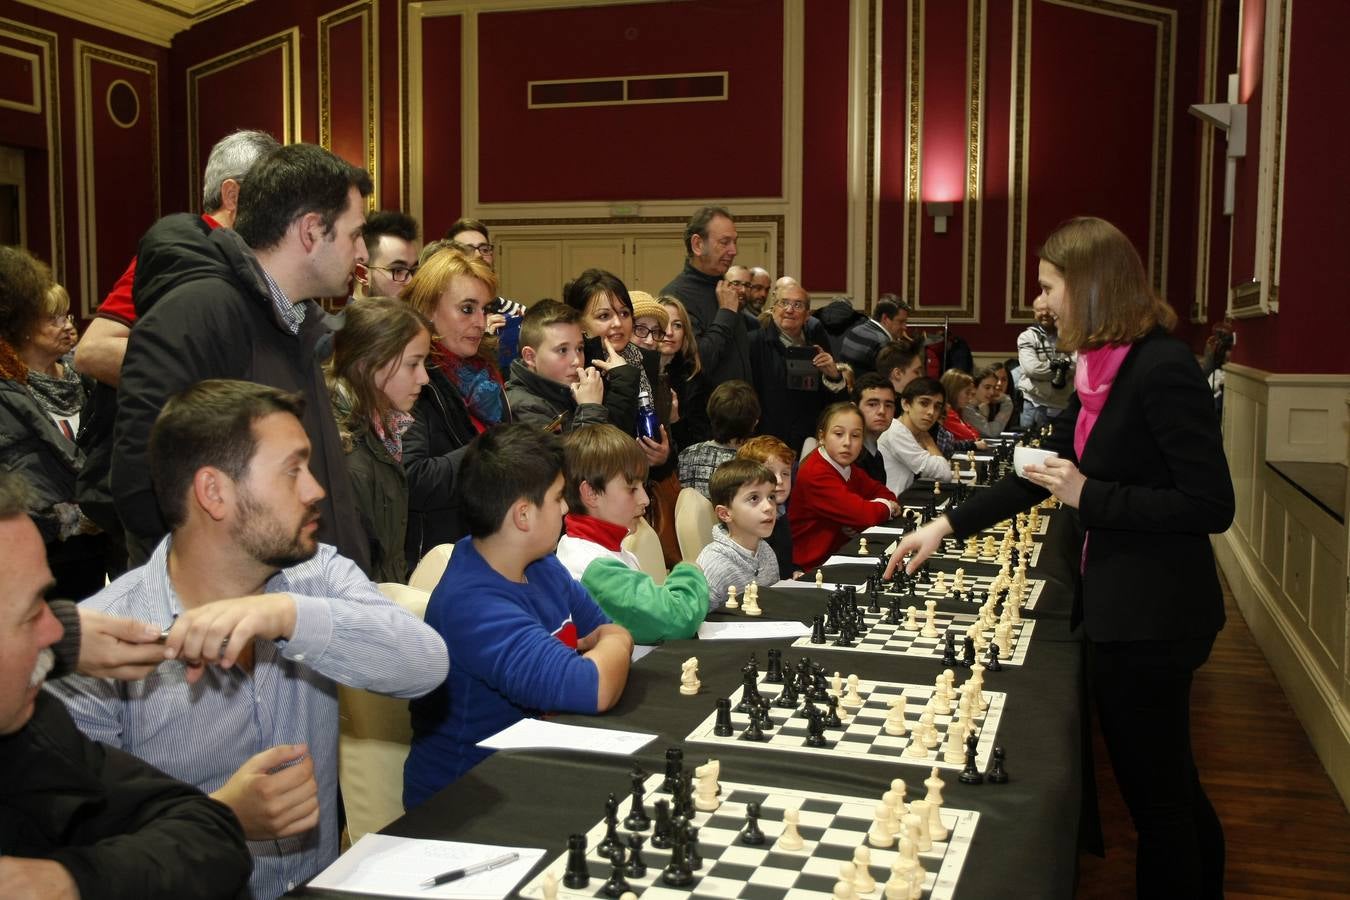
{"x": 155, "y": 21}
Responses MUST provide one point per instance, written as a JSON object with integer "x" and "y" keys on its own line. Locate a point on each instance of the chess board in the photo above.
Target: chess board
{"x": 955, "y": 551}
{"x": 862, "y": 735}
{"x": 831, "y": 825}
{"x": 883, "y": 638}
{"x": 978, "y": 583}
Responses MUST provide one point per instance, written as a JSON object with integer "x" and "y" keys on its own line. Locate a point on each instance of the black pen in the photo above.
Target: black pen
{"x": 457, "y": 874}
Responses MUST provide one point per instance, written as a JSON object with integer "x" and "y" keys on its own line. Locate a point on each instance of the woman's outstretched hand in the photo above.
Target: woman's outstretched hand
{"x": 918, "y": 546}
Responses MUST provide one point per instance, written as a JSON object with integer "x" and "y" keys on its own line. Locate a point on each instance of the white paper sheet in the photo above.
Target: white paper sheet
{"x": 789, "y": 584}
{"x": 396, "y": 867}
{"x": 885, "y": 530}
{"x": 751, "y": 631}
{"x": 639, "y": 651}
{"x": 534, "y": 734}
{"x": 850, "y": 561}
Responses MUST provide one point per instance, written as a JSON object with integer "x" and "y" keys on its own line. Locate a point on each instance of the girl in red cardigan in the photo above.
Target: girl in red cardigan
{"x": 831, "y": 497}
{"x": 960, "y": 390}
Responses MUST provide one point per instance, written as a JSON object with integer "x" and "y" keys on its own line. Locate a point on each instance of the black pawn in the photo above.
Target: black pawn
{"x": 773, "y": 674}
{"x": 892, "y": 613}
{"x": 752, "y": 731}
{"x": 674, "y": 765}
{"x": 692, "y": 858}
{"x": 577, "y": 875}
{"x": 762, "y": 717}
{"x": 751, "y": 834}
{"x": 677, "y": 873}
{"x": 949, "y": 660}
{"x": 818, "y": 629}
{"x": 968, "y": 653}
{"x": 637, "y": 867}
{"x": 874, "y": 600}
{"x": 971, "y": 773}
{"x": 661, "y": 826}
{"x": 997, "y": 774}
{"x": 722, "y": 726}
{"x": 815, "y": 728}
{"x": 611, "y": 839}
{"x": 994, "y": 665}
{"x": 637, "y": 818}
{"x": 617, "y": 885}
{"x": 787, "y": 697}
{"x": 832, "y": 719}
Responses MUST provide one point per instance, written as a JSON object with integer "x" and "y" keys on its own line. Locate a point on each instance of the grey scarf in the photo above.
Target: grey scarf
{"x": 60, "y": 396}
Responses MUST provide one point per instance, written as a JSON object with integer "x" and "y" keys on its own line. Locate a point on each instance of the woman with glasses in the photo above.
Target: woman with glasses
{"x": 40, "y": 401}
{"x": 794, "y": 373}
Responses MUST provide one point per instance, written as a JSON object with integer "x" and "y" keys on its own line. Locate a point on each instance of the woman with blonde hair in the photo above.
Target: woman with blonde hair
{"x": 1142, "y": 463}
{"x": 679, "y": 355}
{"x": 464, "y": 396}
{"x": 374, "y": 377}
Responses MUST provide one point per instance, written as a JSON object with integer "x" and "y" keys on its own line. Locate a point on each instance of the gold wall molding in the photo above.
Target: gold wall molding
{"x": 86, "y": 54}
{"x": 973, "y": 207}
{"x": 1204, "y": 218}
{"x": 287, "y": 44}
{"x": 35, "y": 62}
{"x": 153, "y": 21}
{"x": 913, "y": 219}
{"x": 1164, "y": 22}
{"x": 50, "y": 58}
{"x": 367, "y": 13}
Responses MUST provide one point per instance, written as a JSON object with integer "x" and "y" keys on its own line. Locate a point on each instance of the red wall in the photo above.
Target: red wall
{"x": 825, "y": 148}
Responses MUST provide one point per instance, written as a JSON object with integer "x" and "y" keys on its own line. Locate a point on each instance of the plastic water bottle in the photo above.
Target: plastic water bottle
{"x": 649, "y": 424}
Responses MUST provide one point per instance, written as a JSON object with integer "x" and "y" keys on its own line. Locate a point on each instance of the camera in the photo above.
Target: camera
{"x": 1059, "y": 372}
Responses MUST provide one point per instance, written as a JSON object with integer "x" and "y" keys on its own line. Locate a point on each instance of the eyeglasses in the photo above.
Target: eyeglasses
{"x": 743, "y": 285}
{"x": 643, "y": 331}
{"x": 792, "y": 305}
{"x": 60, "y": 321}
{"x": 397, "y": 274}
{"x": 480, "y": 249}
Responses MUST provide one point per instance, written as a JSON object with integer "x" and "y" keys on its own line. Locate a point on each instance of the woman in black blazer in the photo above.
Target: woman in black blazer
{"x": 1142, "y": 463}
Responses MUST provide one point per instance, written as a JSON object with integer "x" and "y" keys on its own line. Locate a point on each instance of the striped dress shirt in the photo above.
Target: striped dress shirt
{"x": 346, "y": 632}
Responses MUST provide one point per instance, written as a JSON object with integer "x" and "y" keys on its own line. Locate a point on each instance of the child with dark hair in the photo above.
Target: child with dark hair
{"x": 550, "y": 385}
{"x": 779, "y": 459}
{"x": 990, "y": 411}
{"x": 908, "y": 447}
{"x": 524, "y": 637}
{"x": 606, "y": 497}
{"x": 742, "y": 494}
{"x": 874, "y": 395}
{"x": 733, "y": 412}
{"x": 834, "y": 497}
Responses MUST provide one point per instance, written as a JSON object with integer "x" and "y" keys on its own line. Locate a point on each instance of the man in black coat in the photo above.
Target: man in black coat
{"x": 78, "y": 819}
{"x": 240, "y": 304}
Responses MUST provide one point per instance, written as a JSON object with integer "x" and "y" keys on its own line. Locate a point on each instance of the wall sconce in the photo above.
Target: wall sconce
{"x": 1231, "y": 119}
{"x": 940, "y": 212}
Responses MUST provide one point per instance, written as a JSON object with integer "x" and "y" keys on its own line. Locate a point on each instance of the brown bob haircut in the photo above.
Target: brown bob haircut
{"x": 1108, "y": 296}
{"x": 595, "y": 454}
{"x": 735, "y": 474}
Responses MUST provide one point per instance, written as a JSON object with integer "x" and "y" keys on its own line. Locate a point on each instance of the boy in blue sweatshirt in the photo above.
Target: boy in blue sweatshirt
{"x": 524, "y": 637}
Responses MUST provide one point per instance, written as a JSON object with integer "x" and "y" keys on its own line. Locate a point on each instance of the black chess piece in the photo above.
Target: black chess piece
{"x": 967, "y": 652}
{"x": 661, "y": 826}
{"x": 832, "y": 719}
{"x": 993, "y": 665}
{"x": 997, "y": 774}
{"x": 949, "y": 660}
{"x": 845, "y": 638}
{"x": 692, "y": 858}
{"x": 971, "y": 773}
{"x": 674, "y": 765}
{"x": 637, "y": 866}
{"x": 773, "y": 674}
{"x": 611, "y": 838}
{"x": 751, "y": 834}
{"x": 749, "y": 687}
{"x": 818, "y": 629}
{"x": 616, "y": 885}
{"x": 815, "y": 728}
{"x": 762, "y": 716}
{"x": 722, "y": 726}
{"x": 637, "y": 818}
{"x": 892, "y": 616}
{"x": 753, "y": 665}
{"x": 787, "y": 697}
{"x": 577, "y": 875}
{"x": 677, "y": 872}
{"x": 752, "y": 731}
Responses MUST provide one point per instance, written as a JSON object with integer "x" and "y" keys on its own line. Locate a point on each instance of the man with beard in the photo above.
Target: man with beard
{"x": 261, "y": 621}
{"x": 78, "y": 819}
{"x": 758, "y": 292}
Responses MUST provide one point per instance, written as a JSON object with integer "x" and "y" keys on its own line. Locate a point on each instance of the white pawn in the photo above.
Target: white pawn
{"x": 852, "y": 699}
{"x": 862, "y": 546}
{"x": 791, "y": 838}
{"x": 820, "y": 577}
{"x": 879, "y": 835}
{"x": 911, "y": 620}
{"x": 940, "y": 584}
{"x": 628, "y": 895}
{"x": 931, "y": 737}
{"x": 929, "y": 619}
{"x": 843, "y": 888}
{"x": 549, "y": 886}
{"x": 837, "y": 685}
{"x": 751, "y": 607}
{"x": 920, "y": 809}
{"x": 895, "y": 719}
{"x": 731, "y": 597}
{"x": 689, "y": 683}
{"x": 913, "y": 831}
{"x": 863, "y": 882}
{"x": 898, "y": 786}
{"x": 955, "y": 749}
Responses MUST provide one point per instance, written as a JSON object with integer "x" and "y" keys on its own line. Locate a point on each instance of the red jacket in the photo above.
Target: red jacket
{"x": 823, "y": 504}
{"x": 958, "y": 427}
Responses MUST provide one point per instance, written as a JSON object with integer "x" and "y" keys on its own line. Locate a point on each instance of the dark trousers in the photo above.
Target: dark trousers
{"x": 1143, "y": 697}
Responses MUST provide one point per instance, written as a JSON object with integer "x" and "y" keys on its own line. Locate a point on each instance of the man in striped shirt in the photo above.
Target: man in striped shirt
{"x": 263, "y": 622}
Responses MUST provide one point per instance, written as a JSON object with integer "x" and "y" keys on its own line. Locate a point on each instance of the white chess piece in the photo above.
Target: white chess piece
{"x": 920, "y": 809}
{"x": 879, "y": 835}
{"x": 863, "y": 882}
{"x": 731, "y": 597}
{"x": 898, "y": 786}
{"x": 837, "y": 685}
{"x": 705, "y": 788}
{"x": 895, "y": 719}
{"x": 751, "y": 607}
{"x": 549, "y": 886}
{"x": 929, "y": 619}
{"x": 852, "y": 699}
{"x": 954, "y": 751}
{"x": 628, "y": 895}
{"x": 843, "y": 888}
{"x": 689, "y": 683}
{"x": 911, "y": 620}
{"x": 820, "y": 577}
{"x": 914, "y": 831}
{"x": 790, "y": 838}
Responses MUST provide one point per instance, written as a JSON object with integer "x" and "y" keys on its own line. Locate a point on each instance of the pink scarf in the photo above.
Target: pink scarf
{"x": 1093, "y": 378}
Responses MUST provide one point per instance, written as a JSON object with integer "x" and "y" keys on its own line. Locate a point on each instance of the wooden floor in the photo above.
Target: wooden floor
{"x": 1287, "y": 831}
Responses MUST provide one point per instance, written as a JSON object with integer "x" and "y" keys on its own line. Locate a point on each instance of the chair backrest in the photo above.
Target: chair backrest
{"x": 645, "y": 544}
{"x": 429, "y": 571}
{"x": 694, "y": 521}
{"x": 808, "y": 445}
{"x": 373, "y": 745}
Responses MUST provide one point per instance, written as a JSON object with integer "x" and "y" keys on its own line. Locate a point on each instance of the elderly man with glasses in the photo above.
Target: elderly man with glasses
{"x": 792, "y": 369}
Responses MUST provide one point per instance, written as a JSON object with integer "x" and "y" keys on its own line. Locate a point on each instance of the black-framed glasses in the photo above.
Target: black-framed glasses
{"x": 643, "y": 331}
{"x": 397, "y": 274}
{"x": 480, "y": 249}
{"x": 743, "y": 285}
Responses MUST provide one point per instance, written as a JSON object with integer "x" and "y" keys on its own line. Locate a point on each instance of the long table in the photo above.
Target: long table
{"x": 1028, "y": 832}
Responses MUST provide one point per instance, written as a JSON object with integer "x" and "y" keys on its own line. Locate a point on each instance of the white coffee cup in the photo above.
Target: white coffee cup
{"x": 1035, "y": 456}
